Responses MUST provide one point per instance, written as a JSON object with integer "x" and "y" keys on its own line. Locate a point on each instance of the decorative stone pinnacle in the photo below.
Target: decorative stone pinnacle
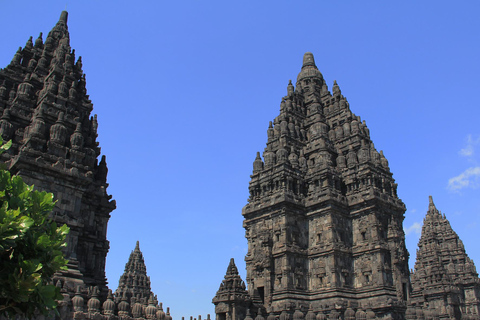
{"x": 430, "y": 201}
{"x": 134, "y": 280}
{"x": 232, "y": 268}
{"x": 431, "y": 206}
{"x": 64, "y": 16}
{"x": 309, "y": 69}
{"x": 308, "y": 60}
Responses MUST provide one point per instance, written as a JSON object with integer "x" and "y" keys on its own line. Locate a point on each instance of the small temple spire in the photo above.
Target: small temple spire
{"x": 29, "y": 44}
{"x": 336, "y": 89}
{"x": 442, "y": 266}
{"x": 290, "y": 88}
{"x": 232, "y": 291}
{"x": 257, "y": 164}
{"x": 39, "y": 41}
{"x": 134, "y": 281}
{"x": 309, "y": 69}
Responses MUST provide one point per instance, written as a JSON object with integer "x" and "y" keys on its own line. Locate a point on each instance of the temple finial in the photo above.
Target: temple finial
{"x": 64, "y": 15}
{"x": 431, "y": 205}
{"x": 232, "y": 268}
{"x": 308, "y": 60}
{"x": 290, "y": 88}
{"x": 309, "y": 69}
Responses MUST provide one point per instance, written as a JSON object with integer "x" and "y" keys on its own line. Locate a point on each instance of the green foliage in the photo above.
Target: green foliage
{"x": 30, "y": 247}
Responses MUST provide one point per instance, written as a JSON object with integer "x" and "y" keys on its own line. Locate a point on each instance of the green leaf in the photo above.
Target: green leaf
{"x": 6, "y": 146}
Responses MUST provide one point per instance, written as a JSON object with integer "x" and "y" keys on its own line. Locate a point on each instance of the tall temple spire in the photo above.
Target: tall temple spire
{"x": 445, "y": 282}
{"x": 47, "y": 114}
{"x": 323, "y": 220}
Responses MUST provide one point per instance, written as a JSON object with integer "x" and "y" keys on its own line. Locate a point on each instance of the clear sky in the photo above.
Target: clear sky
{"x": 184, "y": 91}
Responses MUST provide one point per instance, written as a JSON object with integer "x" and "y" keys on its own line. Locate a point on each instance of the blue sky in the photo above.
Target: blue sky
{"x": 184, "y": 91}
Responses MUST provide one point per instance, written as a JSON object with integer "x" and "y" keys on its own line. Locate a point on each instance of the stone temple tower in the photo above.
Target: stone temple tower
{"x": 323, "y": 220}
{"x": 445, "y": 282}
{"x": 134, "y": 295}
{"x": 46, "y": 112}
{"x": 232, "y": 300}
{"x": 134, "y": 282}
